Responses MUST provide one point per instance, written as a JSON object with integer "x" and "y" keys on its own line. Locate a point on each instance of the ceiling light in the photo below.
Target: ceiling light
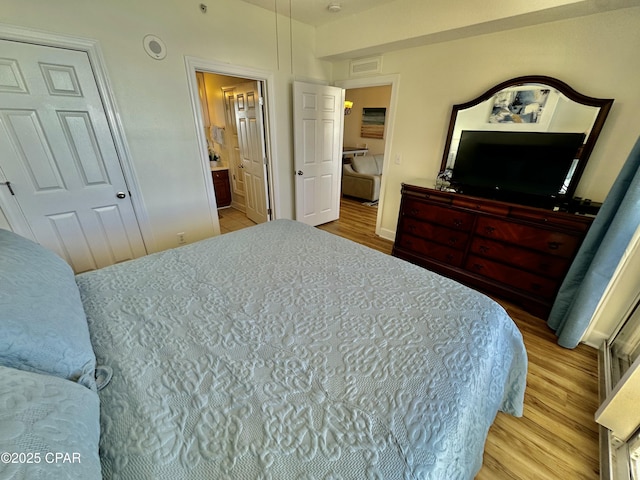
{"x": 334, "y": 7}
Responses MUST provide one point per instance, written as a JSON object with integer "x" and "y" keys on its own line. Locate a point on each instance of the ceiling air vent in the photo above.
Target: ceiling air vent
{"x": 365, "y": 66}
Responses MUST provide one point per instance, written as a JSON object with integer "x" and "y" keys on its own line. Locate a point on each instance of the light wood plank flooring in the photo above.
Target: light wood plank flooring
{"x": 557, "y": 437}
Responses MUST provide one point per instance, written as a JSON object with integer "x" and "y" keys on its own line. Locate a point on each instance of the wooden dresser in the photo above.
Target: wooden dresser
{"x": 515, "y": 252}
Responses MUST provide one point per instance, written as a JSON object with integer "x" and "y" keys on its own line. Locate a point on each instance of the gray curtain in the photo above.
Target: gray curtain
{"x": 599, "y": 255}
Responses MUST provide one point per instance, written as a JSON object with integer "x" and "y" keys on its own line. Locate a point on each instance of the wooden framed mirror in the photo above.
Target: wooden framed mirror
{"x": 527, "y": 105}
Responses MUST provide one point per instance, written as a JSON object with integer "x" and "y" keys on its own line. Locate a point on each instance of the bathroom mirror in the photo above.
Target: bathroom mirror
{"x": 527, "y": 105}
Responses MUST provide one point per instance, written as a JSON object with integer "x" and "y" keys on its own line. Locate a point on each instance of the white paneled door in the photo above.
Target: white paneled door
{"x": 318, "y": 129}
{"x": 250, "y": 127}
{"x": 232, "y": 147}
{"x": 59, "y": 157}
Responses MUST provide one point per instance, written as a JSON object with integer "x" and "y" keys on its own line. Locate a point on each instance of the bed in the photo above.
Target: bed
{"x": 275, "y": 352}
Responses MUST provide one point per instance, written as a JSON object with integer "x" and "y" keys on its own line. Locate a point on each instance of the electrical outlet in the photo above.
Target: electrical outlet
{"x": 181, "y": 238}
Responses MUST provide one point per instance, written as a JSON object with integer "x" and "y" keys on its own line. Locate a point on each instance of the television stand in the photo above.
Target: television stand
{"x": 516, "y": 252}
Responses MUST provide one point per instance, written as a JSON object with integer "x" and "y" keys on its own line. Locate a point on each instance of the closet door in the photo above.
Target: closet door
{"x": 63, "y": 179}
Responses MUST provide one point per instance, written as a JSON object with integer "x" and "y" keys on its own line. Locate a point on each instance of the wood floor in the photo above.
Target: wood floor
{"x": 557, "y": 437}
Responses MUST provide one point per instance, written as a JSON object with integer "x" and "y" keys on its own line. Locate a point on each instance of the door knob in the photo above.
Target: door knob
{"x": 299, "y": 172}
{"x": 121, "y": 195}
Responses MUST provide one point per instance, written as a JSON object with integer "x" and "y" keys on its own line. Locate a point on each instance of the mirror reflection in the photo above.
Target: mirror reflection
{"x": 526, "y": 140}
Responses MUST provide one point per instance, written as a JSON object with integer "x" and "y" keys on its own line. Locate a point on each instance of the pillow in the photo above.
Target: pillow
{"x": 50, "y": 427}
{"x": 366, "y": 165}
{"x": 43, "y": 327}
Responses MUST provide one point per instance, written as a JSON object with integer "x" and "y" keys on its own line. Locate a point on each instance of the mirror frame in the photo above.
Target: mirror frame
{"x": 603, "y": 103}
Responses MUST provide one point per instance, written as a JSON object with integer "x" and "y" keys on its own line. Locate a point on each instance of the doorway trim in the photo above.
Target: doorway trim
{"x": 98, "y": 65}
{"x": 379, "y": 81}
{"x": 194, "y": 64}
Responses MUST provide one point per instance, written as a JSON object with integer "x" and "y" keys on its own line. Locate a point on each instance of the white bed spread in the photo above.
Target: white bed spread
{"x": 285, "y": 352}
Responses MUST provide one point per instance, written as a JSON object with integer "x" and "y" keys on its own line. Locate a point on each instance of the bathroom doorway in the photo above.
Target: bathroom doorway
{"x": 231, "y": 113}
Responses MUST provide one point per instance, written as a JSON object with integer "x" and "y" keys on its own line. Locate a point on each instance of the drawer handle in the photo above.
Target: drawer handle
{"x": 448, "y": 257}
{"x": 477, "y": 267}
{"x": 413, "y": 211}
{"x": 453, "y": 240}
{"x": 483, "y": 249}
{"x": 554, "y": 245}
{"x": 489, "y": 230}
{"x": 457, "y": 222}
{"x": 411, "y": 228}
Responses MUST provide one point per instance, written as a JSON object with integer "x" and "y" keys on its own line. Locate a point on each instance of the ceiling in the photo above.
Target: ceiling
{"x": 316, "y": 12}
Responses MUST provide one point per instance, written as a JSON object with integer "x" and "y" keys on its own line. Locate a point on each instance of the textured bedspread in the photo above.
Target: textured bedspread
{"x": 284, "y": 352}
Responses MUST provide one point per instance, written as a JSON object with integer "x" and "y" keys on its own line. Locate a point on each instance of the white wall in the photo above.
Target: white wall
{"x": 153, "y": 96}
{"x": 596, "y": 55}
{"x": 619, "y": 297}
{"x": 410, "y": 23}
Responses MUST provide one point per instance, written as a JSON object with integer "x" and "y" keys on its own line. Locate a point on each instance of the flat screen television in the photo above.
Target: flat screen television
{"x": 521, "y": 167}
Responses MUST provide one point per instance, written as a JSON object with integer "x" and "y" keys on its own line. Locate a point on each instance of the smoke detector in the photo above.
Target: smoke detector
{"x": 334, "y": 7}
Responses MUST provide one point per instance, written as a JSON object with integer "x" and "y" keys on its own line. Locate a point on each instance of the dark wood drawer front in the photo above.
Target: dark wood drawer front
{"x": 444, "y": 216}
{"x": 445, "y": 236}
{"x": 512, "y": 276}
{"x": 432, "y": 250}
{"x": 546, "y": 241}
{"x": 547, "y": 265}
{"x": 515, "y": 252}
{"x": 577, "y": 223}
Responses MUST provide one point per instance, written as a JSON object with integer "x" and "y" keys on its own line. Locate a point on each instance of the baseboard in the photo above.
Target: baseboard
{"x": 387, "y": 234}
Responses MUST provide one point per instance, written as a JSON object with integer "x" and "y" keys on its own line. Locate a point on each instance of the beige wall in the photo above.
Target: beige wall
{"x": 368, "y": 97}
{"x": 153, "y": 96}
{"x": 596, "y": 55}
{"x": 215, "y": 104}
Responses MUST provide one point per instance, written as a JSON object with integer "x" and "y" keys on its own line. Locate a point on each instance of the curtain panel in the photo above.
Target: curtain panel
{"x": 599, "y": 255}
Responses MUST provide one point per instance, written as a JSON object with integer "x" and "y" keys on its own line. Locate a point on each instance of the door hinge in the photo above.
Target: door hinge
{"x": 8, "y": 184}
{"x": 269, "y": 211}
{"x": 261, "y": 101}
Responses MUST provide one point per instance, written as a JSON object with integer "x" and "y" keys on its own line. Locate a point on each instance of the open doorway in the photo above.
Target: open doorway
{"x": 231, "y": 111}
{"x": 391, "y": 81}
{"x": 365, "y": 138}
{"x": 234, "y": 135}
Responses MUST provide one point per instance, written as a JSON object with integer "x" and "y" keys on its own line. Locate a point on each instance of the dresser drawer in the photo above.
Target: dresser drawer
{"x": 428, "y": 249}
{"x": 512, "y": 276}
{"x": 444, "y": 236}
{"x": 220, "y": 175}
{"x": 547, "y": 265}
{"x": 563, "y": 220}
{"x": 444, "y": 216}
{"x": 546, "y": 241}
